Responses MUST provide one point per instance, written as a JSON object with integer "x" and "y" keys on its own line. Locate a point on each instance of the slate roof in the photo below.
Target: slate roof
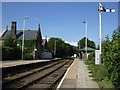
{"x": 29, "y": 34}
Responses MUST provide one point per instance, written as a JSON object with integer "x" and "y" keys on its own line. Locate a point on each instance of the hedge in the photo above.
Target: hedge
{"x": 111, "y": 57}
{"x": 10, "y": 53}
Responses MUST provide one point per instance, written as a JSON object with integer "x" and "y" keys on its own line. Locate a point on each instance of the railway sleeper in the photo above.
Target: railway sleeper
{"x": 24, "y": 85}
{"x": 52, "y": 79}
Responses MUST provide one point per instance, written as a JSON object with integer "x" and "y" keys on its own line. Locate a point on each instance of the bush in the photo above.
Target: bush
{"x": 6, "y": 55}
{"x": 91, "y": 57}
{"x": 9, "y": 41}
{"x": 29, "y": 45}
{"x": 89, "y": 62}
{"x": 9, "y": 53}
{"x": 28, "y": 56}
{"x": 111, "y": 58}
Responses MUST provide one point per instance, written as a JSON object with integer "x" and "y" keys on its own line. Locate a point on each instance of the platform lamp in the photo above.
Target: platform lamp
{"x": 23, "y": 35}
{"x": 86, "y": 37}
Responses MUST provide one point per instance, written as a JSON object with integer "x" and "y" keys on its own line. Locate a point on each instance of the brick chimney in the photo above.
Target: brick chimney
{"x": 13, "y": 30}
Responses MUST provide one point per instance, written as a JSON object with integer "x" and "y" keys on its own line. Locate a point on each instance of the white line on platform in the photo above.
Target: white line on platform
{"x": 64, "y": 77}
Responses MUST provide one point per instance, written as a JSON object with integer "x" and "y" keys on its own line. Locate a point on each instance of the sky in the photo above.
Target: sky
{"x": 61, "y": 19}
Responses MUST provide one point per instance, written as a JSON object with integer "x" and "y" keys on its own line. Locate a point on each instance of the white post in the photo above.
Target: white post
{"x": 102, "y": 9}
{"x": 23, "y": 35}
{"x": 86, "y": 39}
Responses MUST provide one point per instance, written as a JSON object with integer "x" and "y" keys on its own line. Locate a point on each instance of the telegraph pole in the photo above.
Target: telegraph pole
{"x": 55, "y": 47}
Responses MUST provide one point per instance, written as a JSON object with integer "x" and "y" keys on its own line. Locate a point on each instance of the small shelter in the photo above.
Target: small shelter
{"x": 83, "y": 51}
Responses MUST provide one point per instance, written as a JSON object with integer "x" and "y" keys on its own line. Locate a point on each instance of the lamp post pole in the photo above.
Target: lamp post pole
{"x": 23, "y": 35}
{"x": 79, "y": 48}
{"x": 86, "y": 37}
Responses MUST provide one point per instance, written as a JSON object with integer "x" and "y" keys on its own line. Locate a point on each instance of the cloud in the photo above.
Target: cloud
{"x": 72, "y": 43}
{"x": 45, "y": 38}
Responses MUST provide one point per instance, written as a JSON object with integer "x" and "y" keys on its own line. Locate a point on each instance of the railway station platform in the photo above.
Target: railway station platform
{"x": 77, "y": 76}
{"x": 9, "y": 63}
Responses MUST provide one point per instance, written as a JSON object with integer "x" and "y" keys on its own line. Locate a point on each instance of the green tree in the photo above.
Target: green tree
{"x": 9, "y": 41}
{"x": 62, "y": 49}
{"x": 90, "y": 43}
{"x": 111, "y": 57}
{"x": 10, "y": 48}
{"x": 29, "y": 46}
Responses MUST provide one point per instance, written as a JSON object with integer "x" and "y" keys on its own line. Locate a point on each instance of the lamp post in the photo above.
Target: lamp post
{"x": 79, "y": 48}
{"x": 101, "y": 9}
{"x": 86, "y": 37}
{"x": 23, "y": 35}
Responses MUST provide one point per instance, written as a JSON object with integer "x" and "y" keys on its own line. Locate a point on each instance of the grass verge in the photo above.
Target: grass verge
{"x": 99, "y": 74}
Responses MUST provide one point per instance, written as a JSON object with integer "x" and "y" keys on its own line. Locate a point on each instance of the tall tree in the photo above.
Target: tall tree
{"x": 59, "y": 48}
{"x": 90, "y": 43}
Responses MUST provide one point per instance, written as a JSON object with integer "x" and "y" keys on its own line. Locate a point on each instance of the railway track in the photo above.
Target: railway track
{"x": 43, "y": 77}
{"x": 10, "y": 71}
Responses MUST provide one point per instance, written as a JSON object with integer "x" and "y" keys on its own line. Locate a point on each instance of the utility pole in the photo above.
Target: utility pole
{"x": 101, "y": 10}
{"x": 23, "y": 35}
{"x": 55, "y": 47}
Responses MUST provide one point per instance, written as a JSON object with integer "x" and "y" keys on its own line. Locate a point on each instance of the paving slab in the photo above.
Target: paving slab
{"x": 78, "y": 77}
{"x": 84, "y": 80}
